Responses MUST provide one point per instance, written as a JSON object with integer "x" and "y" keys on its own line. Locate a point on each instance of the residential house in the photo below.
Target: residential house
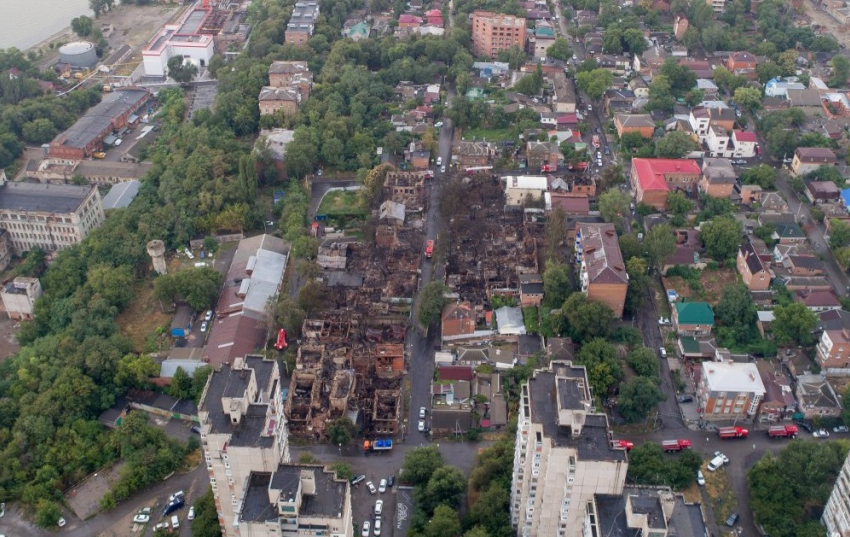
{"x": 640, "y": 87}
{"x": 722, "y": 116}
{"x": 773, "y": 202}
{"x": 693, "y": 318}
{"x": 406, "y": 20}
{"x": 752, "y": 269}
{"x": 618, "y": 100}
{"x": 652, "y": 178}
{"x": 601, "y": 269}
{"x": 545, "y": 156}
{"x": 822, "y": 192}
{"x": 434, "y": 17}
{"x": 560, "y": 349}
{"x": 744, "y": 144}
{"x": 471, "y": 154}
{"x": 741, "y": 60}
{"x": 700, "y": 119}
{"x": 569, "y": 202}
{"x": 458, "y": 320}
{"x": 833, "y": 349}
{"x": 521, "y": 188}
{"x": 805, "y": 98}
{"x": 708, "y": 88}
{"x": 357, "y": 31}
{"x": 818, "y": 301}
{"x": 778, "y": 402}
{"x": 836, "y": 512}
{"x": 718, "y": 178}
{"x": 686, "y": 254}
{"x": 803, "y": 265}
{"x": 564, "y": 93}
{"x": 530, "y": 290}
{"x": 493, "y": 33}
{"x": 272, "y": 100}
{"x": 19, "y": 296}
{"x": 420, "y": 160}
{"x": 816, "y": 397}
{"x": 789, "y": 234}
{"x": 779, "y": 88}
{"x": 302, "y": 22}
{"x": 729, "y": 391}
{"x": 291, "y": 74}
{"x": 640, "y": 123}
{"x": 701, "y": 68}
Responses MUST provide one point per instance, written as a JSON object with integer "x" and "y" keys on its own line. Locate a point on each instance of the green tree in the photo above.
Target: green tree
{"x": 630, "y": 246}
{"x": 613, "y": 205}
{"x": 634, "y": 41}
{"x": 827, "y": 173}
{"x": 603, "y": 366}
{"x": 557, "y": 285}
{"x": 721, "y": 237}
{"x": 793, "y": 323}
{"x": 736, "y": 314}
{"x": 842, "y": 255}
{"x": 649, "y": 466}
{"x": 748, "y": 98}
{"x": 595, "y": 82}
{"x": 47, "y": 514}
{"x": 181, "y": 385}
{"x": 82, "y": 26}
{"x": 206, "y": 517}
{"x": 445, "y": 487}
{"x": 678, "y": 203}
{"x": 340, "y": 431}
{"x": 840, "y": 71}
{"x": 638, "y": 396}
{"x": 560, "y": 50}
{"x": 681, "y": 78}
{"x": 659, "y": 244}
{"x": 674, "y": 144}
{"x": 644, "y": 362}
{"x": 342, "y": 470}
{"x": 762, "y": 175}
{"x": 179, "y": 71}
{"x": 839, "y": 233}
{"x": 431, "y": 302}
{"x": 420, "y": 464}
{"x": 587, "y": 320}
{"x": 39, "y": 131}
{"x": 444, "y": 523}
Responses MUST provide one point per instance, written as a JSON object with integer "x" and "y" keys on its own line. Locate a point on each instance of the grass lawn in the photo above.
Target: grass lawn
{"x": 340, "y": 203}
{"x": 491, "y": 135}
{"x": 720, "y": 494}
{"x": 660, "y": 296}
{"x": 142, "y": 317}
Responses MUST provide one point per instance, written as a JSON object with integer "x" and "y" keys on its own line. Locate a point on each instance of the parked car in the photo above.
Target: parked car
{"x": 191, "y": 513}
{"x": 840, "y": 429}
{"x": 357, "y": 479}
{"x": 722, "y": 456}
{"x": 391, "y": 481}
{"x": 700, "y": 478}
{"x": 382, "y": 486}
{"x": 805, "y": 425}
{"x": 663, "y": 352}
{"x": 173, "y": 506}
{"x": 204, "y": 326}
{"x": 379, "y": 507}
{"x": 143, "y": 516}
{"x": 367, "y": 528}
{"x": 175, "y": 522}
{"x": 421, "y": 426}
{"x": 739, "y": 161}
{"x": 732, "y": 520}
{"x": 371, "y": 487}
{"x": 421, "y": 412}
{"x": 208, "y": 315}
{"x": 442, "y": 169}
{"x": 195, "y": 429}
{"x": 161, "y": 526}
{"x": 821, "y": 433}
{"x": 61, "y": 522}
{"x": 179, "y": 494}
{"x": 685, "y": 399}
{"x": 378, "y": 526}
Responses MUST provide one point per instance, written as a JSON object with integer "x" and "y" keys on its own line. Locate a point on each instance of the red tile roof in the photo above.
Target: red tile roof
{"x": 651, "y": 172}
{"x": 745, "y": 136}
{"x": 571, "y": 204}
{"x": 456, "y": 372}
{"x": 409, "y": 19}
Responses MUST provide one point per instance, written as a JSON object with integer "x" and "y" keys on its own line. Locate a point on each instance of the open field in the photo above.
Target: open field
{"x": 709, "y": 287}
{"x": 141, "y": 319}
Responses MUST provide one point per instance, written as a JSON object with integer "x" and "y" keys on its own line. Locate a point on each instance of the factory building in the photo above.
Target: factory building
{"x": 191, "y": 37}
{"x": 86, "y": 135}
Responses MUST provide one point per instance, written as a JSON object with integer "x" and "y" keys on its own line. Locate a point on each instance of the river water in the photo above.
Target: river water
{"x": 25, "y": 23}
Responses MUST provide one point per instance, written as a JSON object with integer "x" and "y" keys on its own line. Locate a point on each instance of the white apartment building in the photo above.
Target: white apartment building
{"x": 50, "y": 217}
{"x": 19, "y": 296}
{"x": 836, "y": 514}
{"x": 564, "y": 456}
{"x": 243, "y": 431}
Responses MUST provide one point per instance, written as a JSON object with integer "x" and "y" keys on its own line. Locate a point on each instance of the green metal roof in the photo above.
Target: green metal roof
{"x": 694, "y": 313}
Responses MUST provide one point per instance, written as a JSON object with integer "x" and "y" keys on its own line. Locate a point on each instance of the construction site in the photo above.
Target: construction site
{"x": 352, "y": 358}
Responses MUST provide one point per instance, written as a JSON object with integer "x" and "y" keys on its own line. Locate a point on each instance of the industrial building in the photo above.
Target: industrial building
{"x": 242, "y": 432}
{"x": 191, "y": 37}
{"x": 86, "y": 135}
{"x": 121, "y": 195}
{"x": 254, "y": 277}
{"x": 78, "y": 54}
{"x": 564, "y": 455}
{"x": 19, "y": 296}
{"x": 50, "y": 217}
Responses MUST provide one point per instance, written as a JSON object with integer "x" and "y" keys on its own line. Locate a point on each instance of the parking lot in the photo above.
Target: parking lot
{"x": 363, "y": 508}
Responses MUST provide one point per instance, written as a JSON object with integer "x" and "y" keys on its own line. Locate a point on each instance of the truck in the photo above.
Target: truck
{"x": 378, "y": 445}
{"x": 732, "y": 432}
{"x": 676, "y": 445}
{"x": 281, "y": 343}
{"x": 783, "y": 431}
{"x": 596, "y": 143}
{"x": 622, "y": 444}
{"x": 429, "y": 249}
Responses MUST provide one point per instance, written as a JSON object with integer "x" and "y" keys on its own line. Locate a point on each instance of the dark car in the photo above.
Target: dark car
{"x": 685, "y": 398}
{"x": 391, "y": 481}
{"x": 805, "y": 425}
{"x": 173, "y": 506}
{"x": 195, "y": 429}
{"x": 732, "y": 520}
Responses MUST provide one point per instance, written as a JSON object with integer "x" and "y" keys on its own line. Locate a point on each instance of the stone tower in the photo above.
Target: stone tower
{"x": 156, "y": 249}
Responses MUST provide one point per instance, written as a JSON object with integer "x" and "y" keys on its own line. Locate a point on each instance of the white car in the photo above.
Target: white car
{"x": 366, "y": 529}
{"x": 371, "y": 487}
{"x": 191, "y": 513}
{"x": 204, "y": 326}
{"x": 443, "y": 169}
{"x": 61, "y": 522}
{"x": 175, "y": 522}
{"x": 821, "y": 433}
{"x": 421, "y": 427}
{"x": 178, "y": 494}
{"x": 379, "y": 507}
{"x": 722, "y": 456}
{"x": 143, "y": 517}
{"x": 161, "y": 526}
{"x": 663, "y": 352}
{"x": 590, "y": 108}
{"x": 422, "y": 412}
{"x": 700, "y": 478}
{"x": 382, "y": 486}
{"x": 377, "y": 526}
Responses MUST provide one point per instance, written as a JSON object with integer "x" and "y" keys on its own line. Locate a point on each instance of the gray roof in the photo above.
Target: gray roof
{"x": 686, "y": 520}
{"x": 169, "y": 367}
{"x": 509, "y": 320}
{"x": 264, "y": 281}
{"x": 42, "y": 197}
{"x": 99, "y": 118}
{"x": 121, "y": 194}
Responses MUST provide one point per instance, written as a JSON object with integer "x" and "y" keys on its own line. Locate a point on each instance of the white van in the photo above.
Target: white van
{"x": 439, "y": 161}
{"x": 715, "y": 463}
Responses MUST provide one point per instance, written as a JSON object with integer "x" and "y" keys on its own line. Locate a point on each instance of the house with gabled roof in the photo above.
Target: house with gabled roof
{"x": 753, "y": 270}
{"x": 816, "y": 397}
{"x": 653, "y": 178}
{"x": 601, "y": 269}
{"x": 693, "y": 318}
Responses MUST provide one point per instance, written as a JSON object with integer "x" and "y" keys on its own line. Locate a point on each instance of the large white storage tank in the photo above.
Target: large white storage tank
{"x": 78, "y": 54}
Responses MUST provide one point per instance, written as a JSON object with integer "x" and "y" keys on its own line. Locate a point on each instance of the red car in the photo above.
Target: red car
{"x": 281, "y": 344}
{"x": 429, "y": 249}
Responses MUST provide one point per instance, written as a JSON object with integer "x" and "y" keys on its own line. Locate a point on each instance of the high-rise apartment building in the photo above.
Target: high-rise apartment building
{"x": 836, "y": 514}
{"x": 564, "y": 456}
{"x": 494, "y": 32}
{"x": 243, "y": 431}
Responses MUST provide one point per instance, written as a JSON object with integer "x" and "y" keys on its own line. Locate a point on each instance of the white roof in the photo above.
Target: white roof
{"x": 766, "y": 316}
{"x": 263, "y": 283}
{"x": 733, "y": 377}
{"x": 526, "y": 182}
{"x": 509, "y": 321}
